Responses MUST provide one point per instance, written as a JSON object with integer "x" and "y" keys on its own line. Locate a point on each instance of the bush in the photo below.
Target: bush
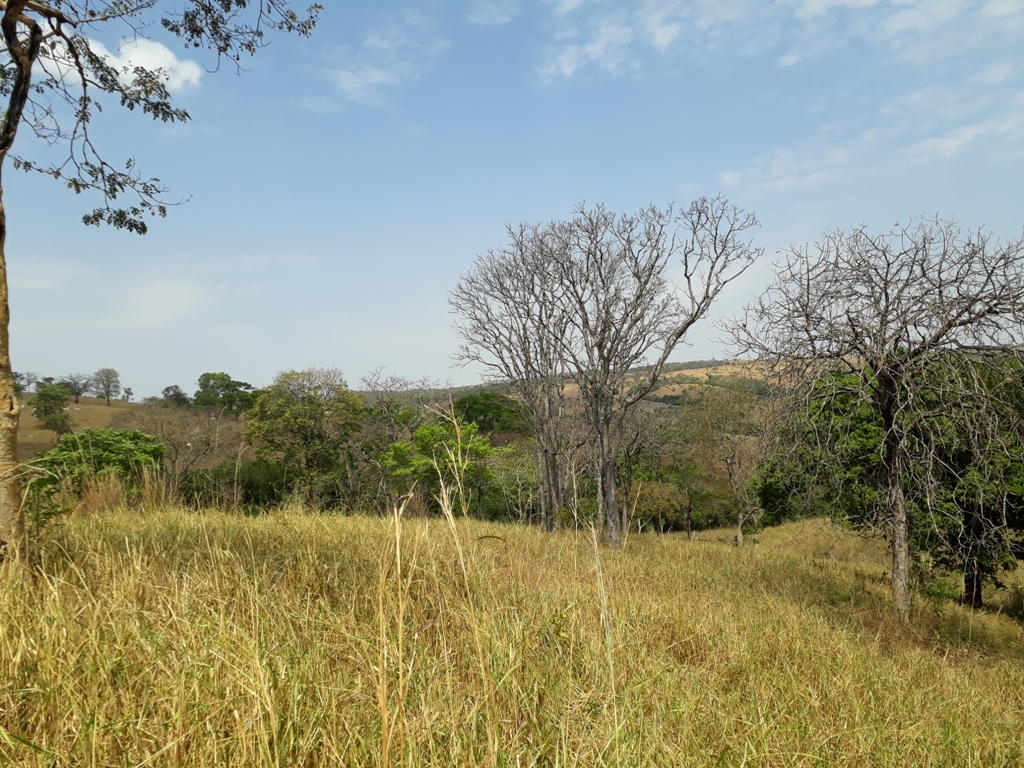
{"x": 87, "y": 460}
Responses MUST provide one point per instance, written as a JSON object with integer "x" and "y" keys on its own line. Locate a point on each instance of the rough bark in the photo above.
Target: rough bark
{"x": 900, "y": 550}
{"x": 23, "y": 52}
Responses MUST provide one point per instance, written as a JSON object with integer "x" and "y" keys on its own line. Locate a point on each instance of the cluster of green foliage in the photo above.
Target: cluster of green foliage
{"x": 965, "y": 489}
{"x": 50, "y": 406}
{"x": 316, "y": 441}
{"x": 492, "y": 412}
{"x": 87, "y": 456}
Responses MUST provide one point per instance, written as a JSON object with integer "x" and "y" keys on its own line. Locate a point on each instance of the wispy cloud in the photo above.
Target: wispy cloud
{"x": 491, "y": 12}
{"x": 913, "y": 130}
{"x": 801, "y": 30}
{"x": 394, "y": 52}
{"x": 607, "y": 45}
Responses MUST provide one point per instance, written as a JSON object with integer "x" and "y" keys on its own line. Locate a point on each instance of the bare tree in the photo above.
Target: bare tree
{"x": 623, "y": 311}
{"x": 56, "y": 79}
{"x": 76, "y": 383}
{"x": 190, "y": 437}
{"x": 885, "y": 310}
{"x": 509, "y": 313}
{"x": 106, "y": 383}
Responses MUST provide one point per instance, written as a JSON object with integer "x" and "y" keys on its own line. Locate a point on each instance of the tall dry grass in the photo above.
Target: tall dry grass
{"x": 172, "y": 638}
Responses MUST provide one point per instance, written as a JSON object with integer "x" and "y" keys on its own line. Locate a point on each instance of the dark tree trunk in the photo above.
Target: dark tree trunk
{"x": 972, "y": 584}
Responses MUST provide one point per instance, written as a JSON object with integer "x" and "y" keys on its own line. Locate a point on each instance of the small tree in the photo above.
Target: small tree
{"x": 50, "y": 406}
{"x": 76, "y": 383}
{"x": 885, "y": 309}
{"x": 23, "y": 382}
{"x": 106, "y": 383}
{"x": 175, "y": 397}
{"x": 127, "y": 454}
{"x": 218, "y": 390}
{"x": 189, "y": 436}
{"x": 447, "y": 453}
{"x": 305, "y": 421}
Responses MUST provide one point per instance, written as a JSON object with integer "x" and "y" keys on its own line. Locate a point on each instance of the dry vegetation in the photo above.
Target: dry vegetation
{"x": 176, "y": 638}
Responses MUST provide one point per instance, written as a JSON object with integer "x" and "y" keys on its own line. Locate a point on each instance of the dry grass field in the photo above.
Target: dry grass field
{"x": 166, "y": 638}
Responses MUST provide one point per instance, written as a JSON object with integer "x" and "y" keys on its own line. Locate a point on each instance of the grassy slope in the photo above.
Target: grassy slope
{"x": 172, "y": 638}
{"x": 91, "y": 412}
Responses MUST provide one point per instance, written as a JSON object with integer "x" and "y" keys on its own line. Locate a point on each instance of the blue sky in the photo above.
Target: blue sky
{"x": 338, "y": 187}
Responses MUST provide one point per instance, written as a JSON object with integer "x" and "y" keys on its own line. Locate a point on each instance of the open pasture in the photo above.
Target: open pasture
{"x": 174, "y": 638}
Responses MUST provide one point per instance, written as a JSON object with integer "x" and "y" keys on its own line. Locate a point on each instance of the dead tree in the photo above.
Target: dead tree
{"x": 623, "y": 310}
{"x": 509, "y": 313}
{"x": 855, "y": 322}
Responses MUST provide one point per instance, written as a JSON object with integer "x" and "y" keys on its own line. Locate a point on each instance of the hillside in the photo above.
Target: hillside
{"x": 91, "y": 412}
{"x": 171, "y": 638}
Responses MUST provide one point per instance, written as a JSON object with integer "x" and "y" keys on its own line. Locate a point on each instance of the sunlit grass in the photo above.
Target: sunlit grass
{"x": 175, "y": 638}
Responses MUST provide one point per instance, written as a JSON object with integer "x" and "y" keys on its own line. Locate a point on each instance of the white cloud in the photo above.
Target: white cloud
{"x": 914, "y": 31}
{"x": 491, "y": 12}
{"x": 811, "y": 9}
{"x": 395, "y": 52}
{"x": 1003, "y": 8}
{"x": 924, "y": 16}
{"x": 362, "y": 85}
{"x": 179, "y": 74}
{"x": 564, "y": 7}
{"x": 608, "y": 46}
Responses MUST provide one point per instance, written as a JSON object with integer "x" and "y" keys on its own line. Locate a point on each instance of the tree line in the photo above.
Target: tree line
{"x": 887, "y": 394}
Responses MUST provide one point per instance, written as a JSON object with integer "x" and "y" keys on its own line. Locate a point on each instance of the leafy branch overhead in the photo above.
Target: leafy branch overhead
{"x": 57, "y": 77}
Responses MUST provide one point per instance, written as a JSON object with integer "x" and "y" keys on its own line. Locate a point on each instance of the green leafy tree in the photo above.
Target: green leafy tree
{"x": 55, "y": 80}
{"x": 492, "y": 412}
{"x": 218, "y": 390}
{"x": 126, "y": 453}
{"x": 885, "y": 307}
{"x": 305, "y": 421}
{"x": 50, "y": 406}
{"x": 964, "y": 473}
{"x": 446, "y": 452}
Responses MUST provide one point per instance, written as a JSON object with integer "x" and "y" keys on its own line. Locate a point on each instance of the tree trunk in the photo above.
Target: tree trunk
{"x": 13, "y": 538}
{"x": 739, "y": 529}
{"x": 900, "y": 551}
{"x": 689, "y": 518}
{"x": 896, "y": 501}
{"x": 23, "y": 53}
{"x": 613, "y": 517}
{"x": 972, "y": 584}
{"x": 553, "y": 503}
